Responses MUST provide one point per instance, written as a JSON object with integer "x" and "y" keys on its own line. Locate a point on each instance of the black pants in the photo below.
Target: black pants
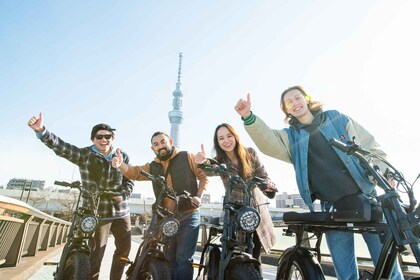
{"x": 121, "y": 229}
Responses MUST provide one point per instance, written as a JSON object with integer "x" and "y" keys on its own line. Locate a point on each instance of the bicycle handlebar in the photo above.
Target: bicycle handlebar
{"x": 157, "y": 179}
{"x": 221, "y": 169}
{"x": 75, "y": 184}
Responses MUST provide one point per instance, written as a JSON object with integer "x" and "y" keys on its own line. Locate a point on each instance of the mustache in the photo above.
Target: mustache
{"x": 162, "y": 149}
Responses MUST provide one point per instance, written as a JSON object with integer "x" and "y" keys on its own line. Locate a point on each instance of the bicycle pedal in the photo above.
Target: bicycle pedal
{"x": 197, "y": 265}
{"x": 125, "y": 261}
{"x": 50, "y": 263}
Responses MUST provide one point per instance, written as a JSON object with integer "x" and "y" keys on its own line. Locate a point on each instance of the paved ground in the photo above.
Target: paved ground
{"x": 46, "y": 272}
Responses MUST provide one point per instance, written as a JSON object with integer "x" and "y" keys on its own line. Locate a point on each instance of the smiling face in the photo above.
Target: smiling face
{"x": 161, "y": 145}
{"x": 295, "y": 103}
{"x": 103, "y": 145}
{"x": 226, "y": 140}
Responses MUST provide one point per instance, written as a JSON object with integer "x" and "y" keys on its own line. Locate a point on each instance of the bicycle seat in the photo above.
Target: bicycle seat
{"x": 318, "y": 217}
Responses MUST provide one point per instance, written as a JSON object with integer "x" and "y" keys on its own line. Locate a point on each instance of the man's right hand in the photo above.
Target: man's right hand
{"x": 243, "y": 108}
{"x": 200, "y": 157}
{"x": 117, "y": 161}
{"x": 36, "y": 123}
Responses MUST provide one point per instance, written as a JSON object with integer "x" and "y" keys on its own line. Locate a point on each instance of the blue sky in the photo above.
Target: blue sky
{"x": 86, "y": 62}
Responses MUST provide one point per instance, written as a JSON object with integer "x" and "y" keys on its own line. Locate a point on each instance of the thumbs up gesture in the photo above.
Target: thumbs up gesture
{"x": 200, "y": 157}
{"x": 36, "y": 123}
{"x": 117, "y": 160}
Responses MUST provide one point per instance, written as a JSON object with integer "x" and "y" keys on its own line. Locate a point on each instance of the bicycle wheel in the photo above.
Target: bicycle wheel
{"x": 242, "y": 271}
{"x": 155, "y": 269}
{"x": 303, "y": 267}
{"x": 77, "y": 267}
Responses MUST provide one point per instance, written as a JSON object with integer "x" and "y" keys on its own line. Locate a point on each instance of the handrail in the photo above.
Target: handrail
{"x": 25, "y": 230}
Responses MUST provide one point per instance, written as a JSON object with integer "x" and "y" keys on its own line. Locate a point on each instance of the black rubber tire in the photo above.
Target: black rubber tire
{"x": 242, "y": 271}
{"x": 155, "y": 269}
{"x": 77, "y": 267}
{"x": 302, "y": 269}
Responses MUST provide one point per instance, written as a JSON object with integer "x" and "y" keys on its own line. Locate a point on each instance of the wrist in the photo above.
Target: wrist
{"x": 250, "y": 119}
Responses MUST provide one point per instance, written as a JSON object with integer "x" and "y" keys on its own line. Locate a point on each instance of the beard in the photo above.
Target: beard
{"x": 165, "y": 156}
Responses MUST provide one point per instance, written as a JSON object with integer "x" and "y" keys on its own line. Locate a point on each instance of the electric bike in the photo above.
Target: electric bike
{"x": 228, "y": 251}
{"x": 75, "y": 259}
{"x": 359, "y": 214}
{"x": 150, "y": 261}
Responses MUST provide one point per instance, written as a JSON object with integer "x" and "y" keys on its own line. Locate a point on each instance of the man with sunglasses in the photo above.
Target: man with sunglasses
{"x": 97, "y": 174}
{"x": 181, "y": 174}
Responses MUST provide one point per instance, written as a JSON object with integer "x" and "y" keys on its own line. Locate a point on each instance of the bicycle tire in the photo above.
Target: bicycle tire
{"x": 155, "y": 269}
{"x": 302, "y": 268}
{"x": 242, "y": 271}
{"x": 77, "y": 267}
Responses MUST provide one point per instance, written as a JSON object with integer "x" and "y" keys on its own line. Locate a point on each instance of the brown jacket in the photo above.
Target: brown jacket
{"x": 133, "y": 173}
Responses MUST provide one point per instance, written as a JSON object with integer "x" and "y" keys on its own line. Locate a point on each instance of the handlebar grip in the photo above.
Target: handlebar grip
{"x": 148, "y": 175}
{"x": 340, "y": 145}
{"x": 75, "y": 184}
{"x": 61, "y": 183}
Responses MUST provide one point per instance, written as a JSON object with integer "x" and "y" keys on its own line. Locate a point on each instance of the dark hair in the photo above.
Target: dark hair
{"x": 98, "y": 127}
{"x": 312, "y": 105}
{"x": 241, "y": 152}
{"x": 158, "y": 133}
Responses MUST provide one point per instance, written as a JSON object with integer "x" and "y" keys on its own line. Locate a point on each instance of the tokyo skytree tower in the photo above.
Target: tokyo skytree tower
{"x": 176, "y": 116}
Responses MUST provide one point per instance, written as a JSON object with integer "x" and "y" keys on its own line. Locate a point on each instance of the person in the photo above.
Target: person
{"x": 181, "y": 174}
{"x": 244, "y": 162}
{"x": 318, "y": 166}
{"x": 97, "y": 174}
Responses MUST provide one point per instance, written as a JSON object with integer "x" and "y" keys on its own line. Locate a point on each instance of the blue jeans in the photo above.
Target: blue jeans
{"x": 341, "y": 246}
{"x": 182, "y": 248}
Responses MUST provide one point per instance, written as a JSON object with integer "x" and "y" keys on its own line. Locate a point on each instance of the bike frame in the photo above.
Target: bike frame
{"x": 77, "y": 240}
{"x": 231, "y": 249}
{"x": 398, "y": 231}
{"x": 154, "y": 242}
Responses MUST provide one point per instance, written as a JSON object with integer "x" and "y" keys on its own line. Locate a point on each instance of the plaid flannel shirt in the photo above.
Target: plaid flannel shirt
{"x": 97, "y": 174}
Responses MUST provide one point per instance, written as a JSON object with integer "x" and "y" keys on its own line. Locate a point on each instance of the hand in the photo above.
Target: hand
{"x": 392, "y": 182}
{"x": 196, "y": 200}
{"x": 243, "y": 108}
{"x": 36, "y": 123}
{"x": 117, "y": 198}
{"x": 117, "y": 160}
{"x": 200, "y": 157}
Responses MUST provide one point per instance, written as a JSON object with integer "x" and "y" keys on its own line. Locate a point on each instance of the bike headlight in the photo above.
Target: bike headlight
{"x": 88, "y": 223}
{"x": 248, "y": 219}
{"x": 169, "y": 227}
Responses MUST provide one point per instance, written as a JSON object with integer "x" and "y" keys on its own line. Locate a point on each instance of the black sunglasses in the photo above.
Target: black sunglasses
{"x": 100, "y": 136}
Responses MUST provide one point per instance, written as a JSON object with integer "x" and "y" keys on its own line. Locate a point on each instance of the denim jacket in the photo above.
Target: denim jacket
{"x": 291, "y": 145}
{"x": 334, "y": 126}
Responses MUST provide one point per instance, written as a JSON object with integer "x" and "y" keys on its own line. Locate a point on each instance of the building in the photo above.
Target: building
{"x": 205, "y": 198}
{"x": 286, "y": 200}
{"x": 26, "y": 184}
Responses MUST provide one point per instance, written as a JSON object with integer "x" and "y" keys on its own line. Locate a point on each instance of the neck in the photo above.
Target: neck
{"x": 306, "y": 118}
{"x": 232, "y": 157}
